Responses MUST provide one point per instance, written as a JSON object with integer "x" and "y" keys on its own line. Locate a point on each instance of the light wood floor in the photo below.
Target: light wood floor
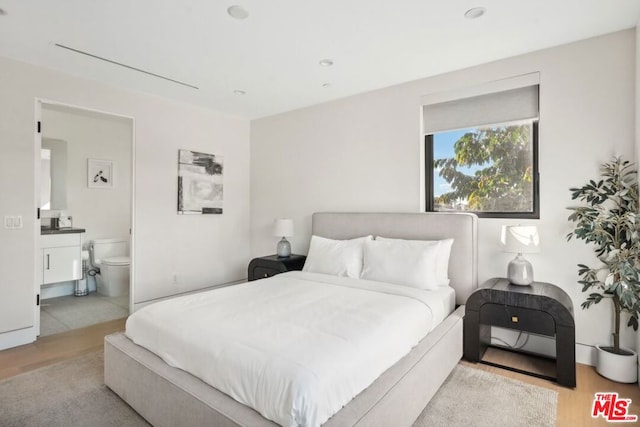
{"x": 574, "y": 405}
{"x": 56, "y": 348}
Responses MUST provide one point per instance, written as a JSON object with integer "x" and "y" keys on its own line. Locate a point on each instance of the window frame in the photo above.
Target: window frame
{"x": 430, "y": 180}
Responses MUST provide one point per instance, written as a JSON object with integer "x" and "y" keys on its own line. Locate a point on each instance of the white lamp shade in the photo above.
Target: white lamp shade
{"x": 283, "y": 227}
{"x": 521, "y": 239}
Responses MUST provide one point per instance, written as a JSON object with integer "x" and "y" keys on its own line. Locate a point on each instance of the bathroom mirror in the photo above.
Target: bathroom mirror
{"x": 53, "y": 187}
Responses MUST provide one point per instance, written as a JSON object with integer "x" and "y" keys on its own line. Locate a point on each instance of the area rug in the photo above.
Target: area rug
{"x": 471, "y": 397}
{"x": 72, "y": 393}
{"x": 67, "y": 394}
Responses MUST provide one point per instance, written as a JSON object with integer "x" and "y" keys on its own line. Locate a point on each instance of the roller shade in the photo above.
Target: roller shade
{"x": 492, "y": 108}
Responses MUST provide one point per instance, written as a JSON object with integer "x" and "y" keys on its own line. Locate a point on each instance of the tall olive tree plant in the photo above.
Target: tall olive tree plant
{"x": 609, "y": 220}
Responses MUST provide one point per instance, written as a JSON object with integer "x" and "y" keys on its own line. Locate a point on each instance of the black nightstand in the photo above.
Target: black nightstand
{"x": 541, "y": 308}
{"x": 268, "y": 266}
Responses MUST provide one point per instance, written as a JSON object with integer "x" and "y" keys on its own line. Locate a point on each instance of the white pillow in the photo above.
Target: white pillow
{"x": 336, "y": 257}
{"x": 442, "y": 257}
{"x": 400, "y": 262}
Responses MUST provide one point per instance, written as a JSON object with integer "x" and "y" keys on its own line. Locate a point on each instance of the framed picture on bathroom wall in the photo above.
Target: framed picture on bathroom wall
{"x": 100, "y": 173}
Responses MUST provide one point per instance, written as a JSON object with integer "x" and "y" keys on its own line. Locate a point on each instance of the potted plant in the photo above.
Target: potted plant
{"x": 609, "y": 220}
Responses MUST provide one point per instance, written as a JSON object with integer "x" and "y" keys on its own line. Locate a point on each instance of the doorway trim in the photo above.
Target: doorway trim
{"x": 39, "y": 102}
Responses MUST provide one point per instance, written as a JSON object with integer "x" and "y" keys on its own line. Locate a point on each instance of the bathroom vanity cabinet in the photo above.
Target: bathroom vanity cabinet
{"x": 61, "y": 257}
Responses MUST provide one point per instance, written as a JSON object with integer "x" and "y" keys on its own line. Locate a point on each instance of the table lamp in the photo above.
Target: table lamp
{"x": 283, "y": 228}
{"x": 520, "y": 239}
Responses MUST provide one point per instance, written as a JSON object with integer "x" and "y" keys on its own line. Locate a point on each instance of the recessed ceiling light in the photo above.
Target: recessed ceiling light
{"x": 326, "y": 62}
{"x": 474, "y": 13}
{"x": 238, "y": 12}
{"x": 3, "y": 12}
{"x": 239, "y": 92}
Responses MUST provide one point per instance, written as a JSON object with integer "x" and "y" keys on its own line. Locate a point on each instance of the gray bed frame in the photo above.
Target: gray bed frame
{"x": 167, "y": 396}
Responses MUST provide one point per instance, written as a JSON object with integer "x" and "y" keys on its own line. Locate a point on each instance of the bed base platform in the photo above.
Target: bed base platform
{"x": 167, "y": 396}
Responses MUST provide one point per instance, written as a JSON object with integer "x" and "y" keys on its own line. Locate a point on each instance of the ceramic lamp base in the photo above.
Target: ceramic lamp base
{"x": 284, "y": 248}
{"x": 520, "y": 271}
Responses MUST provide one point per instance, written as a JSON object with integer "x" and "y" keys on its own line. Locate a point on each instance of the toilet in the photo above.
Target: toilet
{"x": 111, "y": 258}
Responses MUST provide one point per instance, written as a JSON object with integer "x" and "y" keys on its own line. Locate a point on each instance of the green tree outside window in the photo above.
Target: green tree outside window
{"x": 492, "y": 170}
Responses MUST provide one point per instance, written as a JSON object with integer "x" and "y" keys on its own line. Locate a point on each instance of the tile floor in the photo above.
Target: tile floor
{"x": 62, "y": 314}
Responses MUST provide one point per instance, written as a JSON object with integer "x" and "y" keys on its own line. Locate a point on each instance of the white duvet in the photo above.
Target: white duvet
{"x": 296, "y": 347}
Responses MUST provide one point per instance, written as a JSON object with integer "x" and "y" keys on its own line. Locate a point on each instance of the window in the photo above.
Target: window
{"x": 481, "y": 152}
{"x": 489, "y": 170}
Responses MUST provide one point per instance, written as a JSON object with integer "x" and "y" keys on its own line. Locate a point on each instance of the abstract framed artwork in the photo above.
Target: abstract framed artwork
{"x": 199, "y": 183}
{"x": 100, "y": 173}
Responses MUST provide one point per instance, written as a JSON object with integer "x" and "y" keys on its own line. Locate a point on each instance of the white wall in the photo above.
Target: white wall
{"x": 363, "y": 154}
{"x": 637, "y": 125}
{"x": 202, "y": 250}
{"x": 103, "y": 213}
{"x": 637, "y": 93}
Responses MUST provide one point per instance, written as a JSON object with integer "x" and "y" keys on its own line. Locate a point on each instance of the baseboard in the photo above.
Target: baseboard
{"x": 137, "y": 305}
{"x": 57, "y": 290}
{"x": 585, "y": 354}
{"x": 530, "y": 342}
{"x": 19, "y": 337}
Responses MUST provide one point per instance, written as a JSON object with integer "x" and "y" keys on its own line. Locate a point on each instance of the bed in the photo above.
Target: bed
{"x": 166, "y": 395}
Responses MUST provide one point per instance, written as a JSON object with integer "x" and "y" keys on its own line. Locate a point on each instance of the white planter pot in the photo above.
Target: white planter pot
{"x": 617, "y": 367}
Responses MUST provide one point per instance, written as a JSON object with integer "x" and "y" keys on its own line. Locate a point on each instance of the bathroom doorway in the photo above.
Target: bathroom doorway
{"x": 84, "y": 189}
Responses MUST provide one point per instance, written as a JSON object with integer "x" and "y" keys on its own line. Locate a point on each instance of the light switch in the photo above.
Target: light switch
{"x": 13, "y": 221}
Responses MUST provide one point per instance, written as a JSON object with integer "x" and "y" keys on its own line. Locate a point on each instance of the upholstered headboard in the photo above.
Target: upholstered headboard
{"x": 462, "y": 227}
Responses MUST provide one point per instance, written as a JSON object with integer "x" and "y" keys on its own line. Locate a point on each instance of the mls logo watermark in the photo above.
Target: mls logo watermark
{"x": 612, "y": 408}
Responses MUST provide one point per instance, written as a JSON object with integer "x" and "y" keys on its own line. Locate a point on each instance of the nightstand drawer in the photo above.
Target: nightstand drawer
{"x": 522, "y": 319}
{"x": 267, "y": 266}
{"x": 262, "y": 272}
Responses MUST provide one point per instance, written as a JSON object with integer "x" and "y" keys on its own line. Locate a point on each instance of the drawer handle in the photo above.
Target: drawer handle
{"x": 48, "y": 263}
{"x": 514, "y": 319}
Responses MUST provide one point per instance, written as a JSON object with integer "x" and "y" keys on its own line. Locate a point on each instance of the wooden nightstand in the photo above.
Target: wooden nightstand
{"x": 268, "y": 266}
{"x": 540, "y": 308}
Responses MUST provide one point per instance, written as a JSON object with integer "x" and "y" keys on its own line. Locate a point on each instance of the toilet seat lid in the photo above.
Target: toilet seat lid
{"x": 116, "y": 260}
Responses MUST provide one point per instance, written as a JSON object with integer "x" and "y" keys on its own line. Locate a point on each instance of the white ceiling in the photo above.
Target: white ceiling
{"x": 273, "y": 55}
